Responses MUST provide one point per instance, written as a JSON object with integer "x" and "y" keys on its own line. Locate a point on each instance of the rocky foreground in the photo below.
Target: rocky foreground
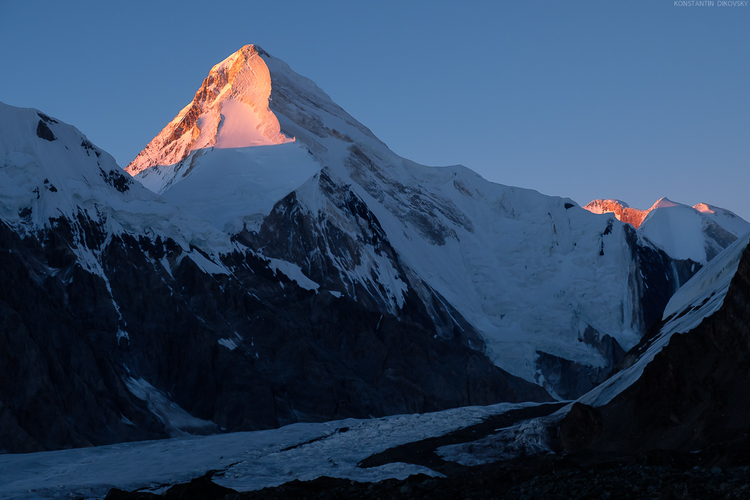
{"x": 658, "y": 475}
{"x": 719, "y": 472}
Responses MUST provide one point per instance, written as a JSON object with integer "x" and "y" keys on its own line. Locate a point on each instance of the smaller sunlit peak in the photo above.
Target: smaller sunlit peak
{"x": 664, "y": 203}
{"x": 704, "y": 208}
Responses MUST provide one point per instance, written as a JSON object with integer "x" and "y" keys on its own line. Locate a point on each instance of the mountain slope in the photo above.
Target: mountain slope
{"x": 688, "y": 387}
{"x": 125, "y": 318}
{"x": 553, "y": 291}
{"x": 680, "y": 399}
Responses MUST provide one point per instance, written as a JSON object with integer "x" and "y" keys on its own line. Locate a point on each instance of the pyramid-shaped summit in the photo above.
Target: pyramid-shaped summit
{"x": 230, "y": 110}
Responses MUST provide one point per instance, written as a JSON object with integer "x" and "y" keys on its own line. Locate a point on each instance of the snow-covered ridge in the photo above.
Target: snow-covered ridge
{"x": 620, "y": 209}
{"x": 698, "y": 233}
{"x": 49, "y": 169}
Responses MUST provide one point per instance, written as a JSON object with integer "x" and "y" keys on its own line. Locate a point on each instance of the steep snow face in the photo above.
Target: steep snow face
{"x": 531, "y": 273}
{"x": 697, "y": 233}
{"x": 236, "y": 187}
{"x": 230, "y": 110}
{"x": 687, "y": 233}
{"x": 49, "y": 169}
{"x": 725, "y": 218}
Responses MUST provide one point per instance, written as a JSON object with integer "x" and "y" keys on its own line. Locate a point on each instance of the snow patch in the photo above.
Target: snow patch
{"x": 294, "y": 272}
{"x": 176, "y": 421}
{"x": 228, "y": 343}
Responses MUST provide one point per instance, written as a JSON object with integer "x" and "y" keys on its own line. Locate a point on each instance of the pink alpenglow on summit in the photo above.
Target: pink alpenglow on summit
{"x": 622, "y": 211}
{"x": 698, "y": 233}
{"x": 230, "y": 110}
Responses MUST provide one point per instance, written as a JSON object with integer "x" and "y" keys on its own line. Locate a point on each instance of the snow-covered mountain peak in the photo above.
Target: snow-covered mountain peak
{"x": 620, "y": 209}
{"x": 244, "y": 55}
{"x": 50, "y": 168}
{"x": 230, "y": 110}
{"x": 705, "y": 208}
{"x": 697, "y": 233}
{"x": 664, "y": 202}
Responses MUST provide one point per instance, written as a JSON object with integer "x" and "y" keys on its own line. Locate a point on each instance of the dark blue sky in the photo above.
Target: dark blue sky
{"x": 623, "y": 99}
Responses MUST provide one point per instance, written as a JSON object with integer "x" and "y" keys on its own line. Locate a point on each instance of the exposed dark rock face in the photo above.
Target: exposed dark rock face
{"x": 117, "y": 180}
{"x": 578, "y": 429}
{"x": 659, "y": 278}
{"x": 570, "y": 379}
{"x": 57, "y": 389}
{"x": 246, "y": 351}
{"x": 329, "y": 255}
{"x": 695, "y": 391}
{"x": 43, "y": 132}
{"x": 90, "y": 148}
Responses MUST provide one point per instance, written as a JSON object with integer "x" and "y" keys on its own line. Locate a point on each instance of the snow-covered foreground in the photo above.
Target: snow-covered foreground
{"x": 252, "y": 460}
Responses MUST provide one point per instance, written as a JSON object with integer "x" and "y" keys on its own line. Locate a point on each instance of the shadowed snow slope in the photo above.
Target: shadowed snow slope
{"x": 698, "y": 299}
{"x": 686, "y": 387}
{"x": 553, "y": 291}
{"x": 683, "y": 388}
